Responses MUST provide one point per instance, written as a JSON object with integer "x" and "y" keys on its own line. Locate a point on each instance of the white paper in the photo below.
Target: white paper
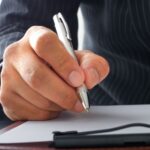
{"x": 99, "y": 117}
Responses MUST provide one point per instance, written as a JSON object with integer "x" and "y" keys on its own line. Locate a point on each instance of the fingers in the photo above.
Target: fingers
{"x": 47, "y": 46}
{"x": 17, "y": 108}
{"x": 46, "y": 82}
{"x": 32, "y": 96}
{"x": 22, "y": 89}
{"x": 95, "y": 67}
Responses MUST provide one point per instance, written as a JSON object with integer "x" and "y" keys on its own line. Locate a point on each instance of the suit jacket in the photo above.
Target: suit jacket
{"x": 119, "y": 30}
{"x": 18, "y": 15}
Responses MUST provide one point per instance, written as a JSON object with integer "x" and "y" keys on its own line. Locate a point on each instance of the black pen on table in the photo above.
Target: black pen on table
{"x": 64, "y": 35}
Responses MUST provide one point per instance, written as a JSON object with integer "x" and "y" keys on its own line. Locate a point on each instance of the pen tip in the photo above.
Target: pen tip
{"x": 86, "y": 106}
{"x": 87, "y": 109}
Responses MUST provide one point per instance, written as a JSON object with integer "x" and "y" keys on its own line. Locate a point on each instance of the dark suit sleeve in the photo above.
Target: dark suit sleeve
{"x": 16, "y": 16}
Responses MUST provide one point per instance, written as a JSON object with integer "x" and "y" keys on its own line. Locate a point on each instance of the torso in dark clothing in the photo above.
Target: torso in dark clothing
{"x": 119, "y": 30}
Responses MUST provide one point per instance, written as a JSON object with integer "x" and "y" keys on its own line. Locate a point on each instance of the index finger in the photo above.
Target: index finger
{"x": 47, "y": 46}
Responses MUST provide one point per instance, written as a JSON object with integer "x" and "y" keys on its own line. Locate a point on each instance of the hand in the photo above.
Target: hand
{"x": 39, "y": 77}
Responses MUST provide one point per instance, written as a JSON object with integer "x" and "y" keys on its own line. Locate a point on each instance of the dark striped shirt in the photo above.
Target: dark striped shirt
{"x": 119, "y": 30}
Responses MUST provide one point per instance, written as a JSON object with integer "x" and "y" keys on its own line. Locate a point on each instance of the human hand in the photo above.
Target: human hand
{"x": 39, "y": 76}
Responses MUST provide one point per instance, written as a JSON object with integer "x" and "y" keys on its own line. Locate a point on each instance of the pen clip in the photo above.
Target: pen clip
{"x": 61, "y": 18}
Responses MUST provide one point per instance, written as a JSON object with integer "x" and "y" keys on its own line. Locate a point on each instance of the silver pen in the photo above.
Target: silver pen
{"x": 64, "y": 35}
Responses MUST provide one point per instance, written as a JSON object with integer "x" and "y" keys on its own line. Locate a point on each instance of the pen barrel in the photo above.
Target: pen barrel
{"x": 69, "y": 47}
{"x": 64, "y": 36}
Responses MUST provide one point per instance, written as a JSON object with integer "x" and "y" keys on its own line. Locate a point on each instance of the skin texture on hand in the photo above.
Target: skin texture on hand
{"x": 39, "y": 77}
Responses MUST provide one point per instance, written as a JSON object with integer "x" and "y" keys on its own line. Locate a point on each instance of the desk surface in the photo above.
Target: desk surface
{"x": 44, "y": 146}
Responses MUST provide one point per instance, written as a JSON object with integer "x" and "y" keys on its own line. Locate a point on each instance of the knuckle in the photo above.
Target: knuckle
{"x": 33, "y": 28}
{"x": 4, "y": 99}
{"x": 33, "y": 77}
{"x": 44, "y": 41}
{"x": 9, "y": 51}
{"x": 4, "y": 75}
{"x": 9, "y": 114}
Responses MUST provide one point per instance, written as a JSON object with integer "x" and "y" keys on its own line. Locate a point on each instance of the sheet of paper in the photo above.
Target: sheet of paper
{"x": 99, "y": 117}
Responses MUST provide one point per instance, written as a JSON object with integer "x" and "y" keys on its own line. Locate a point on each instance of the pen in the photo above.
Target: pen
{"x": 64, "y": 35}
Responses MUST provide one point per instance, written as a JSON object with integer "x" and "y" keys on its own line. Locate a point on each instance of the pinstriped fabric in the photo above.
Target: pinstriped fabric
{"x": 122, "y": 35}
{"x": 119, "y": 30}
{"x": 18, "y": 15}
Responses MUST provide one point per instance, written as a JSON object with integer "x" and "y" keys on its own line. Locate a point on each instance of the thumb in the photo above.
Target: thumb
{"x": 95, "y": 67}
